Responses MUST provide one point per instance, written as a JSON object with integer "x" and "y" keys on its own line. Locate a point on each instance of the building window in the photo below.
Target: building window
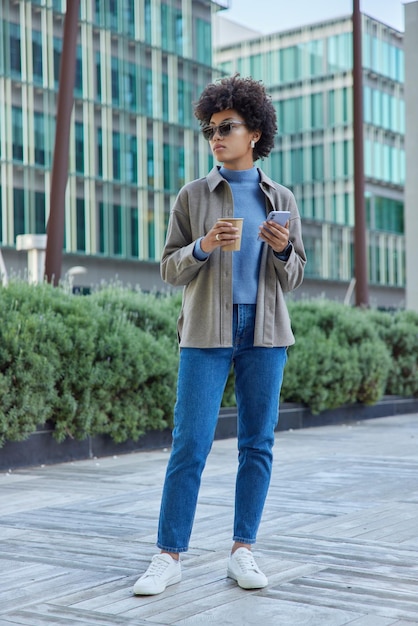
{"x": 131, "y": 160}
{"x": 150, "y": 163}
{"x": 80, "y": 225}
{"x": 134, "y": 233}
{"x": 79, "y": 148}
{"x": 37, "y": 57}
{"x": 103, "y": 228}
{"x": 19, "y": 217}
{"x": 39, "y": 213}
{"x": 57, "y": 60}
{"x": 39, "y": 131}
{"x": 116, "y": 156}
{"x": 115, "y": 81}
{"x": 17, "y": 134}
{"x": 78, "y": 84}
{"x": 203, "y": 42}
{"x": 100, "y": 152}
{"x": 15, "y": 54}
{"x": 318, "y": 162}
{"x": 98, "y": 77}
{"x": 117, "y": 229}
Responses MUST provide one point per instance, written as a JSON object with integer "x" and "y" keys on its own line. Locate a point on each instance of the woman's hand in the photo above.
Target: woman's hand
{"x": 275, "y": 235}
{"x": 221, "y": 234}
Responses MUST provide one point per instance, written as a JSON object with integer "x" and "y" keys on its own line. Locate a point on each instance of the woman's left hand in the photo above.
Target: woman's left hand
{"x": 275, "y": 235}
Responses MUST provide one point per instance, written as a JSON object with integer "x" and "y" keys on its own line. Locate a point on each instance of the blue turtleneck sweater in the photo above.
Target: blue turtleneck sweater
{"x": 249, "y": 203}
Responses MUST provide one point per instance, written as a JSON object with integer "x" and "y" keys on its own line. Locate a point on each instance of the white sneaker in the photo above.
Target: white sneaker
{"x": 162, "y": 572}
{"x": 243, "y": 568}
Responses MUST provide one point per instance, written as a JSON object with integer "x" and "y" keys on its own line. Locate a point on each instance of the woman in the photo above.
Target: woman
{"x": 233, "y": 312}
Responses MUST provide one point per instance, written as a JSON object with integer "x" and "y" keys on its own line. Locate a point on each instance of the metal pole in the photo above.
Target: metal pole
{"x": 55, "y": 228}
{"x": 360, "y": 240}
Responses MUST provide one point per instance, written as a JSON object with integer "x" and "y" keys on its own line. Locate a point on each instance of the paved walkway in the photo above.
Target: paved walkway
{"x": 339, "y": 538}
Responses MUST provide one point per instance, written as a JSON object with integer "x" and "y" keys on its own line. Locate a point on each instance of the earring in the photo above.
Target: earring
{"x": 252, "y": 143}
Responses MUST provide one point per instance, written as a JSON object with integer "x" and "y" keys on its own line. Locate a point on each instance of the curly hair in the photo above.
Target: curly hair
{"x": 249, "y": 98}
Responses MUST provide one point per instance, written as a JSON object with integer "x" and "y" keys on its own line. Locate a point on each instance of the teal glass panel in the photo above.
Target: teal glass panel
{"x": 317, "y": 111}
{"x": 150, "y": 162}
{"x": 339, "y": 52}
{"x": 367, "y": 105}
{"x": 17, "y": 134}
{"x": 377, "y": 107}
{"x": 117, "y": 229}
{"x": 276, "y": 165}
{"x": 37, "y": 57}
{"x": 389, "y": 215}
{"x": 296, "y": 157}
{"x": 386, "y": 118}
{"x": 129, "y": 90}
{"x": 318, "y": 162}
{"x": 15, "y": 52}
{"x": 39, "y": 131}
{"x": 256, "y": 67}
{"x": 203, "y": 41}
{"x": 128, "y": 17}
{"x": 98, "y": 77}
{"x": 181, "y": 174}
{"x": 147, "y": 20}
{"x": 167, "y": 166}
{"x": 400, "y": 65}
{"x": 80, "y": 225}
{"x": 165, "y": 96}
{"x": 78, "y": 84}
{"x": 116, "y": 151}
{"x": 331, "y": 107}
{"x": 134, "y": 248}
{"x": 57, "y": 60}
{"x": 148, "y": 92}
{"x": 115, "y": 81}
{"x": 19, "y": 217}
{"x": 289, "y": 64}
{"x": 39, "y": 217}
{"x": 103, "y": 230}
{"x": 178, "y": 19}
{"x": 180, "y": 101}
{"x": 79, "y": 148}
{"x": 132, "y": 160}
{"x": 100, "y": 152}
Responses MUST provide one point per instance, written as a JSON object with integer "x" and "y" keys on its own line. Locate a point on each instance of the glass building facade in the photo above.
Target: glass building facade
{"x": 134, "y": 139}
{"x": 308, "y": 72}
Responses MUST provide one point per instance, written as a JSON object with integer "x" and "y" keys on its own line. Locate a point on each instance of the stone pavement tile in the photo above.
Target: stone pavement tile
{"x": 338, "y": 540}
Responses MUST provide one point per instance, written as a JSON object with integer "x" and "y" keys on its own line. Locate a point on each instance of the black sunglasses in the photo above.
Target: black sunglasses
{"x": 223, "y": 129}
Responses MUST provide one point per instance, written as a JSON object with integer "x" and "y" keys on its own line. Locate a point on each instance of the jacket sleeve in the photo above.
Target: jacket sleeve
{"x": 178, "y": 264}
{"x": 290, "y": 272}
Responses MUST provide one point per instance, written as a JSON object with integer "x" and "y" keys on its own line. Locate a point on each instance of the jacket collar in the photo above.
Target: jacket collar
{"x": 214, "y": 178}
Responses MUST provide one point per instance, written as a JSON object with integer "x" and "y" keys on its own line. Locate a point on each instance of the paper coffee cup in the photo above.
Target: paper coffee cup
{"x": 237, "y": 222}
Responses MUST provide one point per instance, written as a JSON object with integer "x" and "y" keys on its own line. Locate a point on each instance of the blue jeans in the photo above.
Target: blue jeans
{"x": 201, "y": 382}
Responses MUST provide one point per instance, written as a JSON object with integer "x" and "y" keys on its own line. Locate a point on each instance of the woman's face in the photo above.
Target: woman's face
{"x": 230, "y": 140}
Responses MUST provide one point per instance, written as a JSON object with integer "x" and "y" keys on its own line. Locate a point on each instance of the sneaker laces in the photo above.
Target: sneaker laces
{"x": 246, "y": 561}
{"x": 157, "y": 566}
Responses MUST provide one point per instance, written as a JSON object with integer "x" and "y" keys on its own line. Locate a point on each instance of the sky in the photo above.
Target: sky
{"x": 269, "y": 16}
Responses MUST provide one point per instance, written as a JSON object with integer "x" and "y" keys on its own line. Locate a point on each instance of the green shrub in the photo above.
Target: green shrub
{"x": 399, "y": 332}
{"x": 338, "y": 357}
{"x": 107, "y": 363}
{"x": 81, "y": 365}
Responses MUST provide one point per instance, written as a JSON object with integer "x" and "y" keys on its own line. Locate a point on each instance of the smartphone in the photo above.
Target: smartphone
{"x": 280, "y": 217}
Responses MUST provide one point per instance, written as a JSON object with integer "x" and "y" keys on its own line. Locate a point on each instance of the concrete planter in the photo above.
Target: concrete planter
{"x": 42, "y": 449}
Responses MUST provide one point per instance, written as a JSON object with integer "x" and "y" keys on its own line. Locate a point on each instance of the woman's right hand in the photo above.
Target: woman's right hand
{"x": 221, "y": 234}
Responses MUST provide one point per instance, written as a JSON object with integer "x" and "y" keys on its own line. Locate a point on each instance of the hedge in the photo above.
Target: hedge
{"x": 107, "y": 363}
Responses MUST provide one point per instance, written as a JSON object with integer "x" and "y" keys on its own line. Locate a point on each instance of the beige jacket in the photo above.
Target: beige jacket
{"x": 205, "y": 319}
